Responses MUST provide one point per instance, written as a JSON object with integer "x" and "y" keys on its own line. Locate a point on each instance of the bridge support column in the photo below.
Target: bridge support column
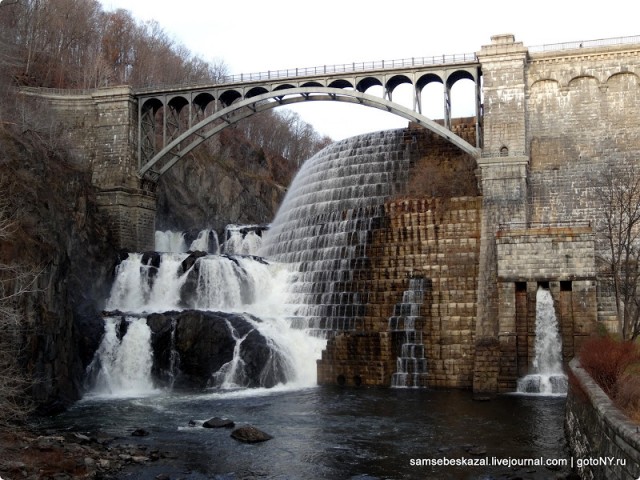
{"x": 130, "y": 209}
{"x": 504, "y": 200}
{"x": 131, "y": 217}
{"x": 502, "y": 175}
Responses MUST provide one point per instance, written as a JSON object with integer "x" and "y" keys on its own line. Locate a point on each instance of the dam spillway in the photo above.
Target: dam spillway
{"x": 362, "y": 220}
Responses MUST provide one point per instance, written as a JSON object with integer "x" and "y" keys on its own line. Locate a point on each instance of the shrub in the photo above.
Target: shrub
{"x": 606, "y": 359}
{"x": 628, "y": 391}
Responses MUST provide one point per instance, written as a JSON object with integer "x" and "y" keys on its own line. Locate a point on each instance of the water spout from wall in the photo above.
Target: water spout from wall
{"x": 547, "y": 377}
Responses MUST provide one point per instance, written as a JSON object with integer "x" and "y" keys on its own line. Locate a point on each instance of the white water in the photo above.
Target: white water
{"x": 222, "y": 283}
{"x": 323, "y": 228}
{"x": 237, "y": 243}
{"x": 411, "y": 364}
{"x": 547, "y": 377}
{"x": 169, "y": 241}
{"x": 321, "y": 234}
{"x": 123, "y": 366}
{"x": 175, "y": 242}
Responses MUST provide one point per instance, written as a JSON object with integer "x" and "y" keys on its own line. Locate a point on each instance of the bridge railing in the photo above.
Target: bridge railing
{"x": 351, "y": 67}
{"x": 603, "y": 42}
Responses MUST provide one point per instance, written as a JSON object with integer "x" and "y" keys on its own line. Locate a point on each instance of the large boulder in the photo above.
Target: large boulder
{"x": 198, "y": 344}
{"x": 250, "y": 434}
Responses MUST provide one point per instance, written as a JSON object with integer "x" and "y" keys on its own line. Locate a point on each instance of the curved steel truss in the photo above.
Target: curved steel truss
{"x": 177, "y": 145}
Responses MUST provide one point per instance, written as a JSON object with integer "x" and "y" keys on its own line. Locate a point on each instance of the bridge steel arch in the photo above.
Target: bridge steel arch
{"x": 198, "y": 133}
{"x": 164, "y": 114}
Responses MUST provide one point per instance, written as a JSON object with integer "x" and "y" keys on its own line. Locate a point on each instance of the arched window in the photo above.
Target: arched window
{"x": 504, "y": 151}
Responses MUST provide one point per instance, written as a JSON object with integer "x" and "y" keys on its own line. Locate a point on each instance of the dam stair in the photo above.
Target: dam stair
{"x": 411, "y": 363}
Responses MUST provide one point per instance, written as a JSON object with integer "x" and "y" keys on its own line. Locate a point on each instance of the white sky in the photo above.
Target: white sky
{"x": 255, "y": 36}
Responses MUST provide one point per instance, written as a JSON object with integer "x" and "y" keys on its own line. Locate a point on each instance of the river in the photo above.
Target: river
{"x": 333, "y": 433}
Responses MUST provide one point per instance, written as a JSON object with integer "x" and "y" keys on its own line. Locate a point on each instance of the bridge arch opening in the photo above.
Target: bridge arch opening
{"x": 254, "y": 92}
{"x": 397, "y": 80}
{"x": 229, "y": 97}
{"x": 368, "y": 82}
{"x": 432, "y": 99}
{"x": 177, "y": 117}
{"x": 403, "y": 94}
{"x": 341, "y": 83}
{"x": 463, "y": 98}
{"x": 204, "y": 104}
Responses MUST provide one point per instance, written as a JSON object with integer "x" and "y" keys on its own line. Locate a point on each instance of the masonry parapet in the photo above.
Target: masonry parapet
{"x": 597, "y": 429}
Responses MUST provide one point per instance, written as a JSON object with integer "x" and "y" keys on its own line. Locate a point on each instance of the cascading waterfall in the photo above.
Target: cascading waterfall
{"x": 123, "y": 361}
{"x": 242, "y": 240}
{"x": 169, "y": 241}
{"x": 547, "y": 377}
{"x": 249, "y": 286}
{"x": 411, "y": 365}
{"x": 231, "y": 374}
{"x": 323, "y": 227}
{"x": 176, "y": 242}
{"x": 315, "y": 251}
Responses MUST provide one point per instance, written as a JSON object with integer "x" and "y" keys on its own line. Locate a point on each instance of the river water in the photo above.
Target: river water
{"x": 333, "y": 433}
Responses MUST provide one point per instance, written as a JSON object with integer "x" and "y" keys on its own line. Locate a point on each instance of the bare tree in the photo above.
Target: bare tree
{"x": 15, "y": 283}
{"x": 284, "y": 133}
{"x": 618, "y": 227}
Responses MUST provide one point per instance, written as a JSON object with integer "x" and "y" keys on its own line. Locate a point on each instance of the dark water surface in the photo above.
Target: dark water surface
{"x": 334, "y": 433}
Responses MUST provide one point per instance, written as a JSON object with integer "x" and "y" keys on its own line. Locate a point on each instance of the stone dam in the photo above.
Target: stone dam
{"x": 431, "y": 257}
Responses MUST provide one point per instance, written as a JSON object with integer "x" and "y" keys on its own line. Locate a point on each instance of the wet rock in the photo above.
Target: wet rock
{"x": 46, "y": 444}
{"x": 102, "y": 438}
{"x": 217, "y": 422}
{"x": 139, "y": 432}
{"x": 204, "y": 342}
{"x": 250, "y": 434}
{"x": 190, "y": 261}
{"x": 478, "y": 451}
{"x": 192, "y": 423}
{"x": 12, "y": 466}
{"x": 79, "y": 438}
{"x": 163, "y": 476}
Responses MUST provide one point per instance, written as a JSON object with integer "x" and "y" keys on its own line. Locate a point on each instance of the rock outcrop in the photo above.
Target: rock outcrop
{"x": 194, "y": 349}
{"x": 59, "y": 239}
{"x": 232, "y": 181}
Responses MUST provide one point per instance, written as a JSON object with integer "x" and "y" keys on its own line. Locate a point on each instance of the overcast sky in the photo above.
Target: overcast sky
{"x": 255, "y": 36}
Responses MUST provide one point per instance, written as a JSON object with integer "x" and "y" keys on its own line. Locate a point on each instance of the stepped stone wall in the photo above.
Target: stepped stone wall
{"x": 420, "y": 237}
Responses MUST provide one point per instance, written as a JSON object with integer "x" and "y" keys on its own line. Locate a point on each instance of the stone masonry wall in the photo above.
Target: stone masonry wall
{"x": 583, "y": 117}
{"x": 438, "y": 240}
{"x": 561, "y": 259}
{"x": 421, "y": 236}
{"x": 596, "y": 429}
{"x": 102, "y": 126}
{"x": 502, "y": 174}
{"x": 553, "y": 122}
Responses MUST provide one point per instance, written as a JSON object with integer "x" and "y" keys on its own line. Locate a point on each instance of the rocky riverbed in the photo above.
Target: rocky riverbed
{"x": 29, "y": 455}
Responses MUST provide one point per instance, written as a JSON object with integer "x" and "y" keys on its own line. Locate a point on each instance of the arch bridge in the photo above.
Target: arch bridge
{"x": 173, "y": 121}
